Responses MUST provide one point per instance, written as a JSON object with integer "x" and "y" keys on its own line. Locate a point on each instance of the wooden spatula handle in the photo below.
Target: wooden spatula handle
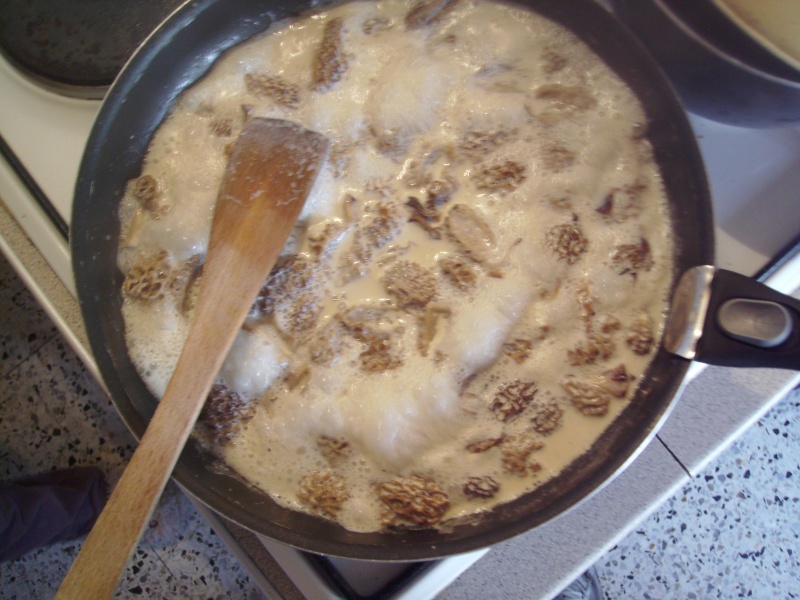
{"x": 272, "y": 169}
{"x": 114, "y": 536}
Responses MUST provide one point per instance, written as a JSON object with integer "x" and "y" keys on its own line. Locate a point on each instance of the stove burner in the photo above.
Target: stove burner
{"x": 77, "y": 47}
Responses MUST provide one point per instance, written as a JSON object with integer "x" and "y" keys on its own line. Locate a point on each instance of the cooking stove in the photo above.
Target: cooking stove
{"x": 754, "y": 176}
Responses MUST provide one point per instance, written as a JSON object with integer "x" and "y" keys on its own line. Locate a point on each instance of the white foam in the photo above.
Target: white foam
{"x": 155, "y": 333}
{"x": 480, "y": 326}
{"x": 391, "y": 418}
{"x": 254, "y": 362}
{"x": 412, "y": 90}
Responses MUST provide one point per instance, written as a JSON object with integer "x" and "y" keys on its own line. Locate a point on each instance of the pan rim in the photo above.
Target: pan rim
{"x": 314, "y": 535}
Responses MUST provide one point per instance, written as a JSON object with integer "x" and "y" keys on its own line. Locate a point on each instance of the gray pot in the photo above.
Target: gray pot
{"x": 718, "y": 70}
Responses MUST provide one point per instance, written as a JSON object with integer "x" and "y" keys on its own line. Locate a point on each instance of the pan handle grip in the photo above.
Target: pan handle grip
{"x": 748, "y": 324}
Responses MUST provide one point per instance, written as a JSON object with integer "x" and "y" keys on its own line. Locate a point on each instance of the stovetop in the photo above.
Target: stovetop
{"x": 77, "y": 47}
{"x": 754, "y": 176}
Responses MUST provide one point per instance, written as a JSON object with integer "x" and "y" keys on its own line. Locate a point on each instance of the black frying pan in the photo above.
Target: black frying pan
{"x": 179, "y": 53}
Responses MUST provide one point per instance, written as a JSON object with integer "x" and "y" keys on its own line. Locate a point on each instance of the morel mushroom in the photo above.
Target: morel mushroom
{"x": 323, "y": 238}
{"x": 324, "y": 491}
{"x": 481, "y": 487}
{"x": 326, "y": 346}
{"x": 500, "y": 178}
{"x": 567, "y": 241}
{"x": 596, "y": 347}
{"x": 615, "y": 381}
{"x": 512, "y": 399}
{"x": 471, "y": 232}
{"x": 291, "y": 273}
{"x": 459, "y": 272}
{"x": 587, "y": 397}
{"x": 411, "y": 284}
{"x": 382, "y": 226}
{"x": 147, "y": 191}
{"x": 557, "y": 158}
{"x": 333, "y": 449}
{"x": 428, "y": 12}
{"x": 149, "y": 279}
{"x": 484, "y": 445}
{"x": 301, "y": 318}
{"x": 429, "y": 326}
{"x": 546, "y": 418}
{"x": 225, "y": 412}
{"x": 564, "y": 101}
{"x": 633, "y": 258}
{"x": 516, "y": 455}
{"x": 414, "y": 500}
{"x": 477, "y": 144}
{"x": 185, "y": 285}
{"x": 640, "y": 335}
{"x": 330, "y": 63}
{"x": 379, "y": 356}
{"x": 518, "y": 349}
{"x": 274, "y": 88}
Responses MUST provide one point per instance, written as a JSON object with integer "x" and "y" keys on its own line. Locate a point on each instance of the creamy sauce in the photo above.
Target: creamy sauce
{"x": 566, "y": 130}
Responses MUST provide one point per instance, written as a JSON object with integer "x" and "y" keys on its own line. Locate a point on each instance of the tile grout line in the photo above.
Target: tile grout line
{"x": 31, "y": 354}
{"x": 675, "y": 458}
{"x": 163, "y": 562}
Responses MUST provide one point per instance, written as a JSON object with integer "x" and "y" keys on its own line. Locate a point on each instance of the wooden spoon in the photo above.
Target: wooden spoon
{"x": 273, "y": 166}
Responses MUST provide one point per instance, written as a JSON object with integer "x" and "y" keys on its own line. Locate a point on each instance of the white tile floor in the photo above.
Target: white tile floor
{"x": 734, "y": 531}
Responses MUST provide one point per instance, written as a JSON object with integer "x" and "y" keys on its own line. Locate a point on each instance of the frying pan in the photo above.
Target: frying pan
{"x": 179, "y": 53}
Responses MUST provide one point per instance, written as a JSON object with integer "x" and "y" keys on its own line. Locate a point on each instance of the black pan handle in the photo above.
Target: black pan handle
{"x": 724, "y": 318}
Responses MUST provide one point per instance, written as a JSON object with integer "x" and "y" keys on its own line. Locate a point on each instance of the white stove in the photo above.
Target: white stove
{"x": 755, "y": 178}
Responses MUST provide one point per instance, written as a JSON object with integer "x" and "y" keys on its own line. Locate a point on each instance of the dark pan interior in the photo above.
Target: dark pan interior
{"x": 179, "y": 53}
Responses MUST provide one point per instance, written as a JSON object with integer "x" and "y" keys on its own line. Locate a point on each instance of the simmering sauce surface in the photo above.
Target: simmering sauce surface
{"x": 475, "y": 286}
